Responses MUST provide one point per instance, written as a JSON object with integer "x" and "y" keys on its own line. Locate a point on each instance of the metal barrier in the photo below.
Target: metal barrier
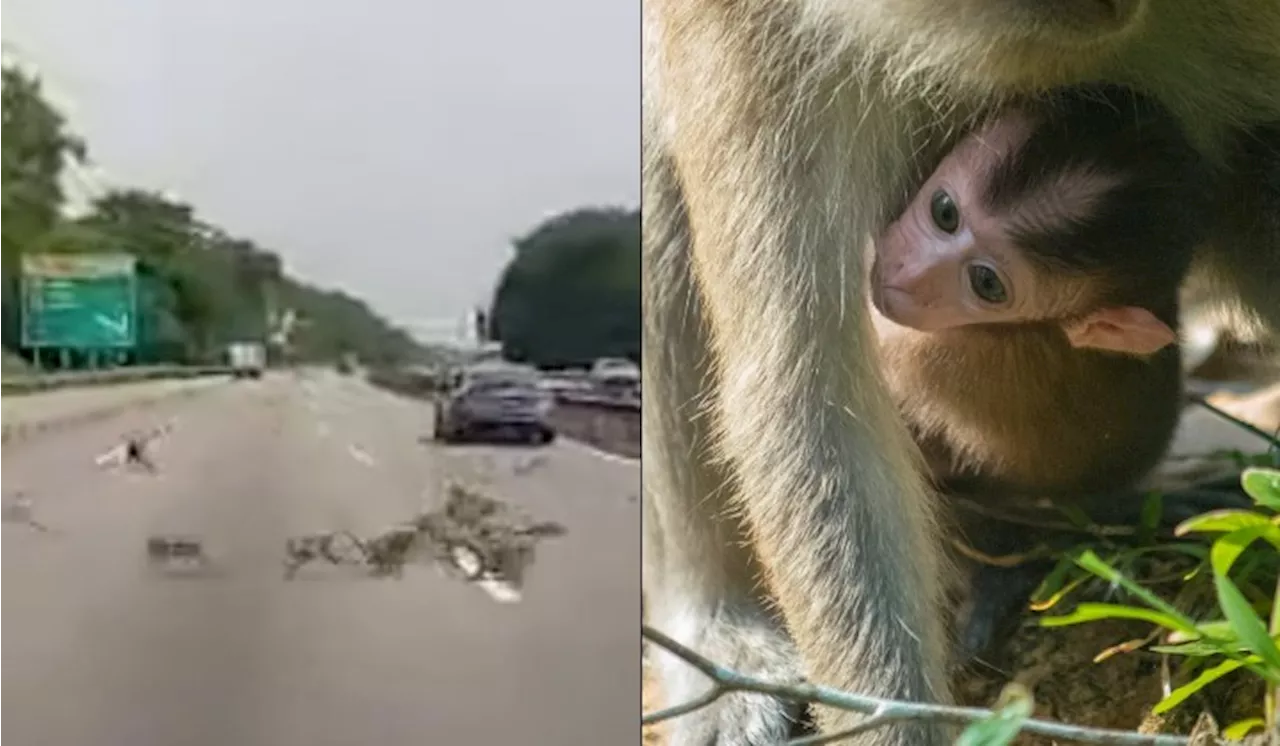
{"x": 26, "y": 384}
{"x": 602, "y": 401}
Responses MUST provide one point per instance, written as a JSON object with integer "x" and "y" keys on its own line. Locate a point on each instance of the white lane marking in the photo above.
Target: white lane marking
{"x": 603, "y": 455}
{"x": 467, "y": 560}
{"x": 359, "y": 454}
{"x": 499, "y": 591}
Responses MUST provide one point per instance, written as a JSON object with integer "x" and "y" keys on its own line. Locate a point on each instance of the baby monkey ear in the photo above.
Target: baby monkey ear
{"x": 1125, "y": 329}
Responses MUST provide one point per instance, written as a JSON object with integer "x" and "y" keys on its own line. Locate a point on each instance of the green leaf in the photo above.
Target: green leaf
{"x": 1216, "y": 638}
{"x": 1263, "y": 485}
{"x": 1075, "y": 515}
{"x": 1241, "y": 728}
{"x": 1220, "y": 629}
{"x": 1249, "y": 628}
{"x": 1174, "y": 619}
{"x": 1222, "y": 521}
{"x": 1206, "y": 677}
{"x": 1053, "y": 587}
{"x": 1091, "y": 612}
{"x": 1203, "y": 648}
{"x": 1149, "y": 520}
{"x": 1001, "y": 727}
{"x": 1228, "y": 548}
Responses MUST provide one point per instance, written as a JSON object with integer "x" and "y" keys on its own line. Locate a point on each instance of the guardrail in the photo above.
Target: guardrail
{"x": 601, "y": 401}
{"x": 607, "y": 419}
{"x": 26, "y": 384}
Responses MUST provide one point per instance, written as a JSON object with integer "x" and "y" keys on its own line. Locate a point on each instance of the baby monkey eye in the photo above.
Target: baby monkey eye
{"x": 987, "y": 285}
{"x": 943, "y": 210}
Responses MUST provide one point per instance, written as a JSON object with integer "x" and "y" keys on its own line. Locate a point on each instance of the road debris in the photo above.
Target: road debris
{"x": 19, "y": 509}
{"x": 334, "y": 547}
{"x": 482, "y": 540}
{"x": 388, "y": 552}
{"x": 472, "y": 537}
{"x": 165, "y": 549}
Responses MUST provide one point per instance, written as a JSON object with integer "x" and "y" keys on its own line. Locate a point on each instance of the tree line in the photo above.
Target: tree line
{"x": 571, "y": 292}
{"x": 199, "y": 287}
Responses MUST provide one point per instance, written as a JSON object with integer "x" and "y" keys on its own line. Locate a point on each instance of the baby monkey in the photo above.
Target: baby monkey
{"x": 1027, "y": 305}
{"x": 1030, "y": 292}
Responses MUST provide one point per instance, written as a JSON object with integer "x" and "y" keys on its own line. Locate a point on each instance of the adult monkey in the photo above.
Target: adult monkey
{"x": 780, "y": 135}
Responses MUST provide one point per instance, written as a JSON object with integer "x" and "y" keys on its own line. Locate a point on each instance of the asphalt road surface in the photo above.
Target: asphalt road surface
{"x": 101, "y": 649}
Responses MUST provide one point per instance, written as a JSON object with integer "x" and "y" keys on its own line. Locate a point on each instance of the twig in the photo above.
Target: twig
{"x": 879, "y": 711}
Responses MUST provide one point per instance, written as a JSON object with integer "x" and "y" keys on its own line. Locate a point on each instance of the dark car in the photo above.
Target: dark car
{"x": 494, "y": 400}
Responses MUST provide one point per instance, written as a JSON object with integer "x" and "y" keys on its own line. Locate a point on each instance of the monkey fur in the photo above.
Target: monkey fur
{"x": 789, "y": 530}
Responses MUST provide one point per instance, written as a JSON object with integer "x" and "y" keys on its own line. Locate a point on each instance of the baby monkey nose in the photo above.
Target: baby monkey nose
{"x": 909, "y": 277}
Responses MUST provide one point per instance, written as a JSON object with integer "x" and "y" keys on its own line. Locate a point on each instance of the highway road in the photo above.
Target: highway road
{"x": 101, "y": 649}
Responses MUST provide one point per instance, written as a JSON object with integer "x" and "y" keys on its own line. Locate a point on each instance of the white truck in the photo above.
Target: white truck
{"x": 247, "y": 359}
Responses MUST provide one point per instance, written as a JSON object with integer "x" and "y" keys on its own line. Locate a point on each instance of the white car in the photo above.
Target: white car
{"x": 615, "y": 371}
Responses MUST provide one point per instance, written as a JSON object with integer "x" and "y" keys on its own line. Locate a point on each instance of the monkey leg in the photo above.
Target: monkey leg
{"x": 1007, "y": 546}
{"x": 700, "y": 583}
{"x": 1239, "y": 270}
{"x": 1260, "y": 408}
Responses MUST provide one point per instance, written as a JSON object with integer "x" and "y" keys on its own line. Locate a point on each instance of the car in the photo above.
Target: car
{"x": 614, "y": 371}
{"x": 490, "y": 399}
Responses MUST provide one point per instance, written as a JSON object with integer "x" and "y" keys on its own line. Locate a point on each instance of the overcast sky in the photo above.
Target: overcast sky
{"x": 389, "y": 147}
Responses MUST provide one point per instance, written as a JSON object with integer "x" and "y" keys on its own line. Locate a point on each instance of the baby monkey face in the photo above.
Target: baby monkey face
{"x": 1023, "y": 223}
{"x": 949, "y": 260}
{"x": 939, "y": 267}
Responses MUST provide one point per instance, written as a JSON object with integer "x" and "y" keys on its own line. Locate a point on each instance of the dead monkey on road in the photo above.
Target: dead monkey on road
{"x": 789, "y": 530}
{"x": 1028, "y": 332}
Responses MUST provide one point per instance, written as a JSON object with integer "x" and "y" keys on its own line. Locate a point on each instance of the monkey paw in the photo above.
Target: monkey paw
{"x": 746, "y": 719}
{"x": 758, "y": 650}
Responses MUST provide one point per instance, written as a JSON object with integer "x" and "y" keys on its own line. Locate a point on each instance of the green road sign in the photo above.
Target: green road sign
{"x": 79, "y": 301}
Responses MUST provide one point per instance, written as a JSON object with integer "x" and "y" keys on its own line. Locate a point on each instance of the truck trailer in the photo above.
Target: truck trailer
{"x": 247, "y": 359}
